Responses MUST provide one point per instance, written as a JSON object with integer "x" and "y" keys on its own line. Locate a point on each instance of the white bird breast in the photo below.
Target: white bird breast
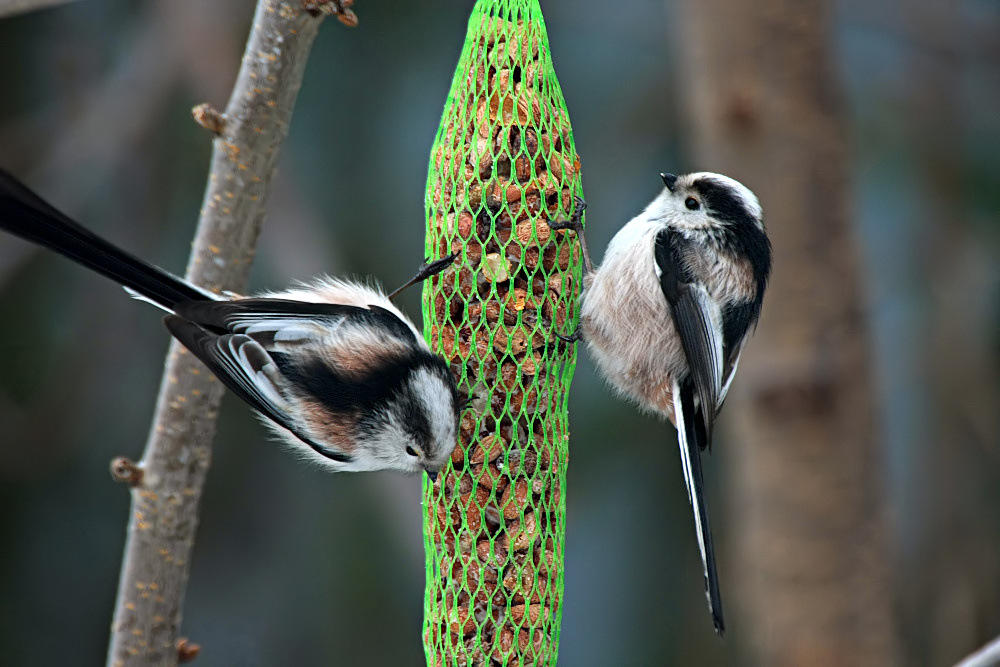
{"x": 626, "y": 321}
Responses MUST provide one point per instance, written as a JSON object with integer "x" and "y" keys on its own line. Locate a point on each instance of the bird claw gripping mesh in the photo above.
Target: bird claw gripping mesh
{"x": 503, "y": 164}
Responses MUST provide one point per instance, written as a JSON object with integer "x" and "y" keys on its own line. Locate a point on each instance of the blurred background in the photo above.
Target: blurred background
{"x": 294, "y": 566}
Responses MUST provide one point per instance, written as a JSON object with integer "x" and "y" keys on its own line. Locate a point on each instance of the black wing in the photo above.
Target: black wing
{"x": 736, "y": 322}
{"x": 697, "y": 320}
{"x": 241, "y": 364}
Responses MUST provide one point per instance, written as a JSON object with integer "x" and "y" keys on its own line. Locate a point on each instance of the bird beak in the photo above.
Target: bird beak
{"x": 669, "y": 180}
{"x": 432, "y": 475}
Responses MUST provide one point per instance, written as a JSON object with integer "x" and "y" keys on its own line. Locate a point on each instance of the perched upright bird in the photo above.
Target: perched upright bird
{"x": 668, "y": 312}
{"x": 333, "y": 367}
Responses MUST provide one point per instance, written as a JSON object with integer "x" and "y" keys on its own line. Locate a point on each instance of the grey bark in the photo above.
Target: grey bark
{"x": 164, "y": 514}
{"x": 812, "y": 567}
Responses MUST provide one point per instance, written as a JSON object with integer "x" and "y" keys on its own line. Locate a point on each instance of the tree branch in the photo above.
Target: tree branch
{"x": 984, "y": 657}
{"x": 14, "y": 7}
{"x": 164, "y": 513}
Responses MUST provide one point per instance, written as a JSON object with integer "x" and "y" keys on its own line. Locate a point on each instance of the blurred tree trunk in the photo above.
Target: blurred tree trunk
{"x": 955, "y": 602}
{"x": 812, "y": 570}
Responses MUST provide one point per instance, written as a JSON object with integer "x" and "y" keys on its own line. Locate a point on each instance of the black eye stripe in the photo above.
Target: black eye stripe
{"x": 723, "y": 202}
{"x": 348, "y": 394}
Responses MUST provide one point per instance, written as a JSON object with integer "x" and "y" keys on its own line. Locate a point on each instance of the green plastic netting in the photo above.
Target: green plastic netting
{"x": 502, "y": 164}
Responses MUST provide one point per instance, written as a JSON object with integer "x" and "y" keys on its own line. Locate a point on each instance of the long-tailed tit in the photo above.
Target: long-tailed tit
{"x": 333, "y": 367}
{"x": 668, "y": 312}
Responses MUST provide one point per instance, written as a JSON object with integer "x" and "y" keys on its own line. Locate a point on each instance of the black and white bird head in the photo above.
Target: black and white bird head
{"x": 704, "y": 201}
{"x": 417, "y": 427}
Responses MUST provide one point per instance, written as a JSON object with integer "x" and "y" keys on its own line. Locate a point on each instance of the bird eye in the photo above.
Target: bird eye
{"x": 411, "y": 451}
{"x": 692, "y": 204}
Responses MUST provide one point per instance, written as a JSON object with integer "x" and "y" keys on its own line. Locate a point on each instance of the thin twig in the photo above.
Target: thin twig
{"x": 987, "y": 656}
{"x": 164, "y": 512}
{"x": 14, "y": 7}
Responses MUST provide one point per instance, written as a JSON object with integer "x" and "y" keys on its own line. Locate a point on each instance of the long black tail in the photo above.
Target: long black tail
{"x": 25, "y": 214}
{"x": 693, "y": 439}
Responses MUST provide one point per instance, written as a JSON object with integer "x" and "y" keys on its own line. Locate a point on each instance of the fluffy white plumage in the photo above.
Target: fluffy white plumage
{"x": 332, "y": 366}
{"x": 667, "y": 313}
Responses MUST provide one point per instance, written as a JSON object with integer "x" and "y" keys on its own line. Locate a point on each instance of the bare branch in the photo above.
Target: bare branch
{"x": 339, "y": 8}
{"x": 14, "y": 7}
{"x": 209, "y": 118}
{"x": 126, "y": 471}
{"x": 164, "y": 512}
{"x": 186, "y": 651}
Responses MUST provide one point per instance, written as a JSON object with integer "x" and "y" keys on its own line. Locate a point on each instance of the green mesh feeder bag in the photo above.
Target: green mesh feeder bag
{"x": 503, "y": 163}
